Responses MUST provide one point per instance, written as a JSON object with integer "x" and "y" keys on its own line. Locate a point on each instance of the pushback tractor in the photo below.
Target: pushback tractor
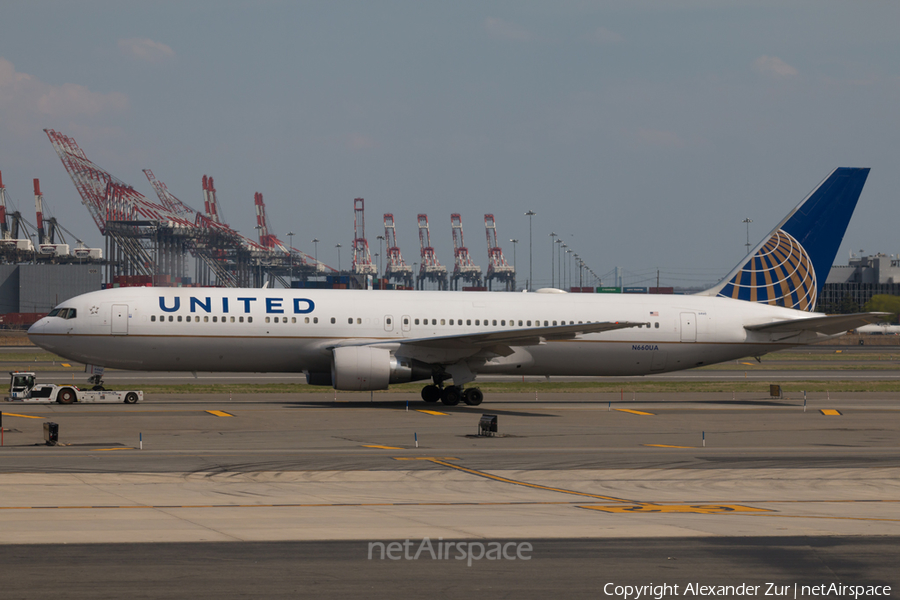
{"x": 24, "y": 388}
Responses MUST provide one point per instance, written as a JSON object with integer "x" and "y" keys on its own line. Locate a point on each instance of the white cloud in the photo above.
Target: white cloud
{"x": 146, "y": 50}
{"x": 605, "y": 36}
{"x": 27, "y": 103}
{"x": 772, "y": 66}
{"x": 504, "y": 30}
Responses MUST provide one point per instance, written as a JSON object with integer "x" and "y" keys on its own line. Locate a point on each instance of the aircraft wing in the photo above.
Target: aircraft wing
{"x": 517, "y": 337}
{"x": 828, "y": 325}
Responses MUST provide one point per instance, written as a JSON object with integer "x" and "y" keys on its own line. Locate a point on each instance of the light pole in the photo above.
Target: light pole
{"x": 562, "y": 263}
{"x": 747, "y": 221}
{"x": 380, "y": 239}
{"x": 316, "y": 244}
{"x": 291, "y": 254}
{"x": 559, "y": 259}
{"x": 338, "y": 246}
{"x": 514, "y": 242}
{"x": 552, "y": 258}
{"x": 530, "y": 214}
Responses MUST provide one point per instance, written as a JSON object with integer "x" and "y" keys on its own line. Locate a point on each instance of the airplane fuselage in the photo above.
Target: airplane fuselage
{"x": 294, "y": 330}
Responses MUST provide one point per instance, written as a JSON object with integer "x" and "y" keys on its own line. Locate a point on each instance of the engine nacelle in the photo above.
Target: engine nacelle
{"x": 363, "y": 368}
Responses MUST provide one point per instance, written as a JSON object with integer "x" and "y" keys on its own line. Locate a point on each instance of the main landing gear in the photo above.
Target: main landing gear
{"x": 451, "y": 395}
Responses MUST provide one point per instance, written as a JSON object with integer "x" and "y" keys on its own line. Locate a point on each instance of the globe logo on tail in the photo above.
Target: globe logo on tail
{"x": 780, "y": 274}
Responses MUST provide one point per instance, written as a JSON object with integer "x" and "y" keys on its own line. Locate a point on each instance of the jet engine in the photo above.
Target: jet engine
{"x": 358, "y": 368}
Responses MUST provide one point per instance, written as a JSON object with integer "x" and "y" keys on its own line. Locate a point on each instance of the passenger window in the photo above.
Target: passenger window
{"x": 443, "y": 322}
{"x": 197, "y": 319}
{"x": 528, "y": 322}
{"x": 554, "y": 322}
{"x": 215, "y": 319}
{"x": 267, "y": 319}
{"x": 250, "y": 319}
{"x": 503, "y": 323}
{"x": 477, "y": 322}
{"x": 315, "y": 320}
{"x": 179, "y": 318}
{"x": 241, "y": 319}
{"x": 434, "y": 321}
{"x": 388, "y": 320}
{"x": 406, "y": 320}
{"x": 152, "y": 318}
{"x": 349, "y": 320}
{"x": 545, "y": 323}
{"x": 358, "y": 320}
{"x": 451, "y": 321}
{"x": 520, "y": 323}
{"x": 494, "y": 322}
{"x": 276, "y": 319}
{"x": 306, "y": 319}
{"x": 416, "y": 321}
{"x": 293, "y": 319}
{"x": 333, "y": 321}
{"x": 232, "y": 319}
{"x": 657, "y": 325}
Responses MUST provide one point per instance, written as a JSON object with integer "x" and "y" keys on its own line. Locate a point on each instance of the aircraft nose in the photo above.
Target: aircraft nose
{"x": 37, "y": 327}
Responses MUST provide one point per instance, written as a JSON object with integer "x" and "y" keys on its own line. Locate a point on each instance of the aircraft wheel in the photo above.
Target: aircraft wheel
{"x": 473, "y": 396}
{"x": 66, "y": 396}
{"x": 452, "y": 395}
{"x": 431, "y": 393}
{"x": 131, "y": 398}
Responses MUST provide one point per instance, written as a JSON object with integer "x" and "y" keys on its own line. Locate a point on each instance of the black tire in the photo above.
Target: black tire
{"x": 66, "y": 396}
{"x": 473, "y": 396}
{"x": 431, "y": 393}
{"x": 451, "y": 396}
{"x": 131, "y": 398}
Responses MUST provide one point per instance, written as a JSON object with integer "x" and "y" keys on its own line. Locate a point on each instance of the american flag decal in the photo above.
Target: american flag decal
{"x": 780, "y": 274}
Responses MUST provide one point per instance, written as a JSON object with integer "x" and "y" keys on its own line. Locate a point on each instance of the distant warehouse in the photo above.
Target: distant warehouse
{"x": 29, "y": 291}
{"x": 857, "y": 282}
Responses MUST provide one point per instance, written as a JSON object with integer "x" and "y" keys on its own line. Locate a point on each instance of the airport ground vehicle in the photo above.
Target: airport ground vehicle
{"x": 23, "y": 388}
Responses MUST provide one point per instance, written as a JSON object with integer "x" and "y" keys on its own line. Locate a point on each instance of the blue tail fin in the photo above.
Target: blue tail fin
{"x": 789, "y": 267}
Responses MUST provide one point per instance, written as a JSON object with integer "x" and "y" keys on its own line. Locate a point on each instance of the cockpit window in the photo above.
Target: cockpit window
{"x": 53, "y": 313}
{"x": 63, "y": 313}
{"x": 71, "y": 314}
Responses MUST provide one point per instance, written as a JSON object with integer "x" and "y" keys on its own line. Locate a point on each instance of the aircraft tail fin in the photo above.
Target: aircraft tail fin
{"x": 789, "y": 267}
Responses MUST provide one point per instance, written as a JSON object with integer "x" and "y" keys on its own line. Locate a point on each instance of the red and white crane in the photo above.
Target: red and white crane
{"x": 430, "y": 269}
{"x": 362, "y": 258}
{"x": 463, "y": 266}
{"x": 396, "y": 268}
{"x": 498, "y": 268}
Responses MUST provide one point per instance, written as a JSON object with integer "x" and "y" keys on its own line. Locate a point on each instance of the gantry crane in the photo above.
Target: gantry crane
{"x": 463, "y": 266}
{"x": 430, "y": 269}
{"x": 498, "y": 268}
{"x": 396, "y": 268}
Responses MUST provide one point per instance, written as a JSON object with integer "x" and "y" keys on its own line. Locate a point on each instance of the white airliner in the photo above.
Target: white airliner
{"x": 366, "y": 340}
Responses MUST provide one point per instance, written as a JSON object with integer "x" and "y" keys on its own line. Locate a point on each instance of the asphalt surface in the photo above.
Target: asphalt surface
{"x": 277, "y": 495}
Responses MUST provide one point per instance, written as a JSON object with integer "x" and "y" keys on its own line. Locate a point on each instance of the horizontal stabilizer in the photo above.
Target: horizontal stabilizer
{"x": 828, "y": 325}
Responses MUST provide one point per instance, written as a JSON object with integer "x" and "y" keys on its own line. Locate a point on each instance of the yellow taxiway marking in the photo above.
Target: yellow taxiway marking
{"x": 381, "y": 447}
{"x": 751, "y": 364}
{"x": 65, "y": 365}
{"x": 23, "y": 416}
{"x": 431, "y": 458}
{"x": 705, "y": 509}
{"x": 108, "y": 449}
{"x": 830, "y": 412}
{"x": 220, "y": 413}
{"x": 634, "y": 412}
{"x": 665, "y": 446}
{"x": 536, "y": 486}
{"x": 431, "y": 412}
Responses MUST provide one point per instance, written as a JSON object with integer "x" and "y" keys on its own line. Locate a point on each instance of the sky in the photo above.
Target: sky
{"x": 641, "y": 132}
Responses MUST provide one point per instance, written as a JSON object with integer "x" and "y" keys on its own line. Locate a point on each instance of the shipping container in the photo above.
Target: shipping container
{"x": 662, "y": 290}
{"x": 634, "y": 290}
{"x": 609, "y": 290}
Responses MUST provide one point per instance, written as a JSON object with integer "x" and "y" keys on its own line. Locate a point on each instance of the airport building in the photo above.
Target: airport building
{"x": 854, "y": 284}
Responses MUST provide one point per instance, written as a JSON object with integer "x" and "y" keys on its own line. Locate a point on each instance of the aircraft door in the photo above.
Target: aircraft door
{"x": 688, "y": 327}
{"x": 388, "y": 323}
{"x": 119, "y": 319}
